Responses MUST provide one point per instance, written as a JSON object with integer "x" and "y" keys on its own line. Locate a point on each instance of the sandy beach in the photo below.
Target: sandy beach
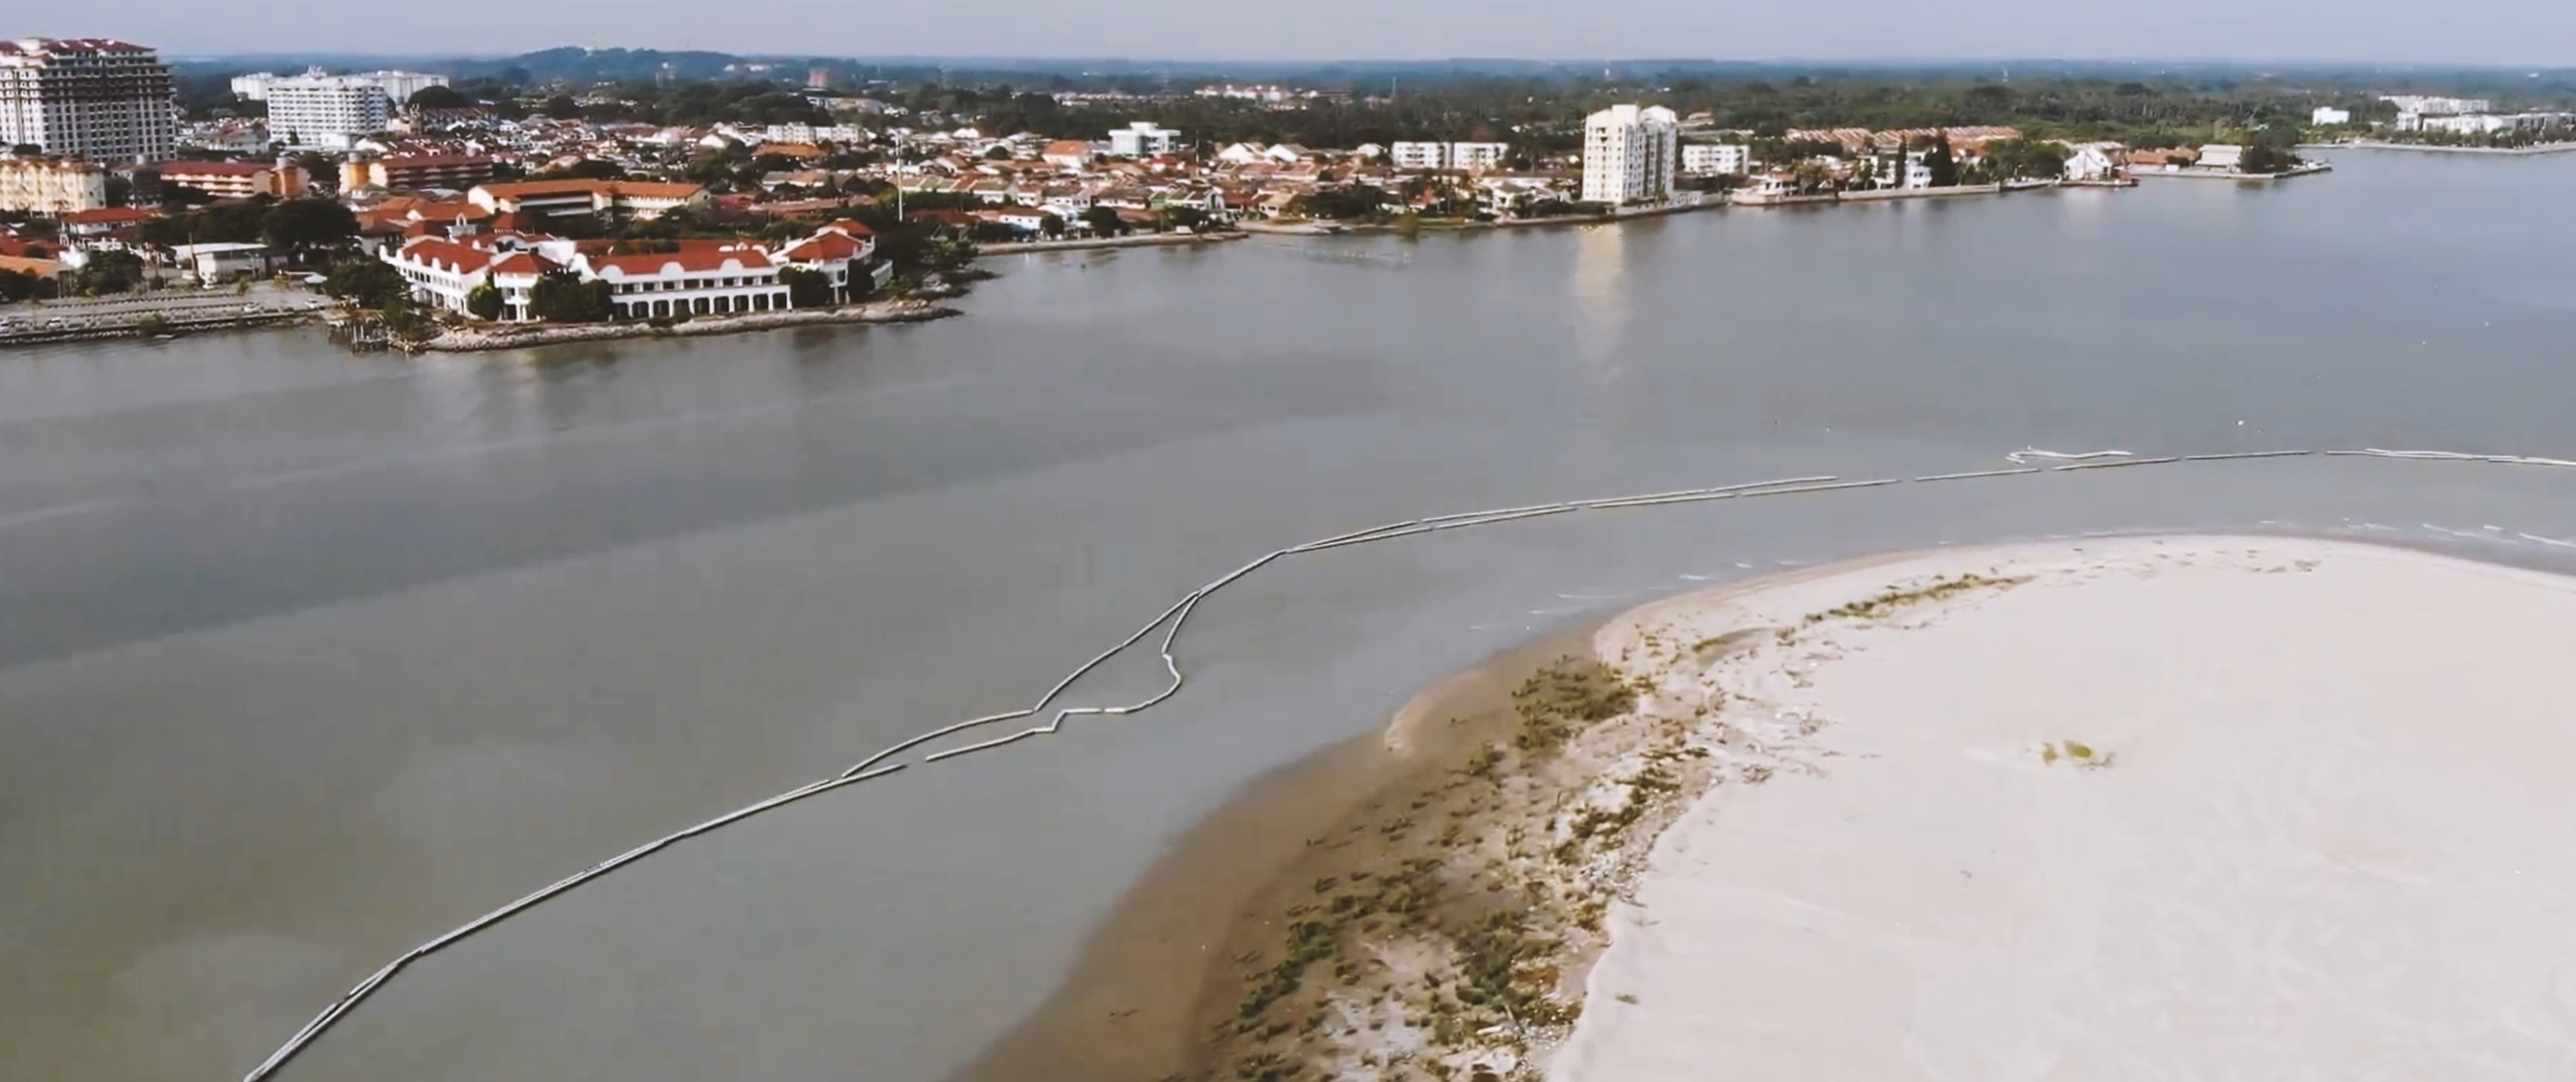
{"x": 2153, "y": 808}
{"x": 2193, "y": 807}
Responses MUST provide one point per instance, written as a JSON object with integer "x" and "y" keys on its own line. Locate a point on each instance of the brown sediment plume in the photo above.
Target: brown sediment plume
{"x": 1149, "y": 983}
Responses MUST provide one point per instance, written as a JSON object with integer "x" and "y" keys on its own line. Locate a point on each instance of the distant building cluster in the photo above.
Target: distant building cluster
{"x": 331, "y": 112}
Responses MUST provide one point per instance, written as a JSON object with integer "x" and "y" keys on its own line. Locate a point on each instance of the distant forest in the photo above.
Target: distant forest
{"x": 1535, "y": 105}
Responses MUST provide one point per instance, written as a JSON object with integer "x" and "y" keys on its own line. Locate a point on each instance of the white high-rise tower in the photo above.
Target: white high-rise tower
{"x": 1629, "y": 154}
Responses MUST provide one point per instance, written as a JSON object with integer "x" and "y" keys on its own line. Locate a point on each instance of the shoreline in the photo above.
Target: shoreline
{"x": 1565, "y": 835}
{"x": 1149, "y": 240}
{"x": 2544, "y": 148}
{"x": 522, "y": 336}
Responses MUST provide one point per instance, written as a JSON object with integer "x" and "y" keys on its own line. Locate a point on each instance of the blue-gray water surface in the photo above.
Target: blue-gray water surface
{"x": 306, "y": 657}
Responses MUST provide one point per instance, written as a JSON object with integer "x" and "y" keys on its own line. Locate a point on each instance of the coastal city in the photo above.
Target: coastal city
{"x": 1386, "y": 543}
{"x": 430, "y": 215}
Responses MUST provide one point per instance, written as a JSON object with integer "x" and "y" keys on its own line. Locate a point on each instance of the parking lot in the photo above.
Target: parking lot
{"x": 177, "y": 307}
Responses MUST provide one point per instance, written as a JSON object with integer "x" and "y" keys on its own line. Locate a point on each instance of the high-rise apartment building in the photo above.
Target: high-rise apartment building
{"x": 398, "y": 85}
{"x": 1629, "y": 154}
{"x": 94, "y": 98}
{"x": 326, "y": 111}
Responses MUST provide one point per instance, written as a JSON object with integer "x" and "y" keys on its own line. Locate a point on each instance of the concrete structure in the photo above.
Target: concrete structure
{"x": 2488, "y": 123}
{"x": 1716, "y": 159}
{"x": 212, "y": 263}
{"x": 95, "y": 98}
{"x": 1467, "y": 156}
{"x": 2330, "y": 115}
{"x": 1141, "y": 139}
{"x": 2224, "y": 156}
{"x": 2422, "y": 106}
{"x": 236, "y": 180}
{"x": 51, "y": 185}
{"x": 327, "y": 111}
{"x": 398, "y": 86}
{"x": 605, "y": 198}
{"x": 411, "y": 172}
{"x": 1630, "y": 154}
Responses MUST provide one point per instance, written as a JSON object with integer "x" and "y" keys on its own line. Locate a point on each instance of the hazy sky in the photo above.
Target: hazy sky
{"x": 2524, "y": 32}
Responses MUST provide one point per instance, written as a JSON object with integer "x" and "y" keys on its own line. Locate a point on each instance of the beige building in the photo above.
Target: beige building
{"x": 237, "y": 180}
{"x": 51, "y": 185}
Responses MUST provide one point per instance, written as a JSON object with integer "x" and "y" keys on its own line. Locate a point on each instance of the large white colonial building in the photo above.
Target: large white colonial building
{"x": 1629, "y": 154}
{"x": 700, "y": 278}
{"x": 94, "y": 98}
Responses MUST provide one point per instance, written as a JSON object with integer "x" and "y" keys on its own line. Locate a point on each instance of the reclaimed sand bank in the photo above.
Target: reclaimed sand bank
{"x": 2017, "y": 809}
{"x": 521, "y": 336}
{"x": 2230, "y": 807}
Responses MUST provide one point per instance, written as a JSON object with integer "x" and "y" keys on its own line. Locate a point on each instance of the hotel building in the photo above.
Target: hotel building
{"x": 95, "y": 98}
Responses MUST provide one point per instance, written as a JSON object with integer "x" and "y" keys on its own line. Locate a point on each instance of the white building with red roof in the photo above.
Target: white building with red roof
{"x": 837, "y": 251}
{"x": 699, "y": 278}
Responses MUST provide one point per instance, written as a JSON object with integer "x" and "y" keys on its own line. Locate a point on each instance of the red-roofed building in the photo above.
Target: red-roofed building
{"x": 626, "y": 198}
{"x": 236, "y": 180}
{"x": 838, "y": 251}
{"x": 405, "y": 172}
{"x": 101, "y": 221}
{"x": 702, "y": 278}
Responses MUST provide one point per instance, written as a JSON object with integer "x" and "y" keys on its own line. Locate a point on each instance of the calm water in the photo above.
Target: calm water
{"x": 306, "y": 657}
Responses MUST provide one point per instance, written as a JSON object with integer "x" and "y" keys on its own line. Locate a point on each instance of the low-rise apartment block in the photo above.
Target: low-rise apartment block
{"x": 1716, "y": 159}
{"x": 413, "y": 172}
{"x": 54, "y": 186}
{"x": 236, "y": 180}
{"x": 1467, "y": 156}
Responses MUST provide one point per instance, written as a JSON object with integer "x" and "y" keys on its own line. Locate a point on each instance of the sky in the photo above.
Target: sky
{"x": 2510, "y": 32}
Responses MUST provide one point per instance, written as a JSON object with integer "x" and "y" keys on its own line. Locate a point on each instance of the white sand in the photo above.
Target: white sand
{"x": 2338, "y": 839}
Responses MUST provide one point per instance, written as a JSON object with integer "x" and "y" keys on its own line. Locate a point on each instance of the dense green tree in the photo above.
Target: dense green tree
{"x": 586, "y": 169}
{"x": 108, "y": 272}
{"x": 806, "y": 288}
{"x": 1104, "y": 221}
{"x": 304, "y": 225}
{"x": 1938, "y": 160}
{"x": 562, "y": 107}
{"x": 367, "y": 283}
{"x": 2008, "y": 159}
{"x": 562, "y": 297}
{"x": 18, "y": 286}
{"x": 439, "y": 97}
{"x": 484, "y": 302}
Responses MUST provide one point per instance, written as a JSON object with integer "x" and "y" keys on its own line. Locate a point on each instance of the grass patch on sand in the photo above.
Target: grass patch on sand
{"x": 1441, "y": 953}
{"x": 2077, "y": 752}
{"x": 1897, "y": 597}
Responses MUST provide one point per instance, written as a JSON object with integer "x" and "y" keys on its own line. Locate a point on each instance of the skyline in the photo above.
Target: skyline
{"x": 2298, "y": 32}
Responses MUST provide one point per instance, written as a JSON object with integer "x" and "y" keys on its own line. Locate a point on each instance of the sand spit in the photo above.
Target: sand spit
{"x": 2226, "y": 807}
{"x": 2188, "y": 807}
